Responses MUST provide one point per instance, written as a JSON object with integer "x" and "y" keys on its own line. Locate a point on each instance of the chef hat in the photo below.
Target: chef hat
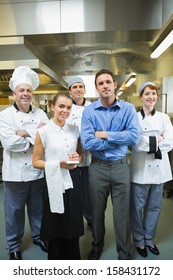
{"x": 24, "y": 75}
{"x": 75, "y": 80}
{"x": 145, "y": 85}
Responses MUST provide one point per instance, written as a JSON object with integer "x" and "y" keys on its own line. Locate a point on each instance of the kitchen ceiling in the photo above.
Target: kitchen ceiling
{"x": 57, "y": 56}
{"x": 87, "y": 52}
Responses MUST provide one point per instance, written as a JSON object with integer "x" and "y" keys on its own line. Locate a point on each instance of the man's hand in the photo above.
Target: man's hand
{"x": 41, "y": 124}
{"x": 22, "y": 133}
{"x": 101, "y": 134}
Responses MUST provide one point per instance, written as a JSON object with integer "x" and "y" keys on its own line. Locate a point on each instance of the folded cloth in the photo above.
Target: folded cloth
{"x": 58, "y": 180}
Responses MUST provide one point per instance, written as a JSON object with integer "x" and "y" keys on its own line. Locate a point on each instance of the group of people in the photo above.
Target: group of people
{"x": 65, "y": 168}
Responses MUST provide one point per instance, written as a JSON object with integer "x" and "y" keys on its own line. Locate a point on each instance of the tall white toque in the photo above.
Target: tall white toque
{"x": 24, "y": 75}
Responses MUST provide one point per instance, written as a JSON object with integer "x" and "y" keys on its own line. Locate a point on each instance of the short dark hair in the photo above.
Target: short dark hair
{"x": 104, "y": 71}
{"x": 55, "y": 98}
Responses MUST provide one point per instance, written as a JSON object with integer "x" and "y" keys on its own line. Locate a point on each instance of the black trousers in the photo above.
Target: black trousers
{"x": 64, "y": 249}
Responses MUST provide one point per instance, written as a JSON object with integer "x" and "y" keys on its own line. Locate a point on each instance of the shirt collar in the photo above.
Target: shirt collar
{"x": 99, "y": 104}
{"x": 143, "y": 114}
{"x": 58, "y": 128}
{"x": 16, "y": 107}
{"x": 82, "y": 103}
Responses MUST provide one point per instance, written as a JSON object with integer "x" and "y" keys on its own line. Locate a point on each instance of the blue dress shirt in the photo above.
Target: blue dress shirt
{"x": 121, "y": 123}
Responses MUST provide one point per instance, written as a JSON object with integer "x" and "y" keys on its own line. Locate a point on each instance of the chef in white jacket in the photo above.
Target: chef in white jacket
{"x": 150, "y": 169}
{"x": 22, "y": 183}
{"x": 76, "y": 89}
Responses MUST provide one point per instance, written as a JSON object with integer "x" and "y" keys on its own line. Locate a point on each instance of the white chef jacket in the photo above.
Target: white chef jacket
{"x": 145, "y": 169}
{"x": 17, "y": 150}
{"x": 75, "y": 119}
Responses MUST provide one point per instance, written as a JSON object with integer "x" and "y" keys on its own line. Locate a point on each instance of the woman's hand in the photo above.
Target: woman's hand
{"x": 73, "y": 156}
{"x": 160, "y": 138}
{"x": 64, "y": 164}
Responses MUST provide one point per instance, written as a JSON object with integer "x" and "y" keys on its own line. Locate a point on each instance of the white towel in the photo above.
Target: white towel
{"x": 58, "y": 180}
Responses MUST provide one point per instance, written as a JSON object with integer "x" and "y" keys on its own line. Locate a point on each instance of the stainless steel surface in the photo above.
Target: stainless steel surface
{"x": 124, "y": 46}
{"x": 85, "y": 53}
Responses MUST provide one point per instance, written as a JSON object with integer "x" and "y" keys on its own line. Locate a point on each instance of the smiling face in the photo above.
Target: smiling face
{"x": 77, "y": 91}
{"x": 149, "y": 97}
{"x": 23, "y": 96}
{"x": 61, "y": 109}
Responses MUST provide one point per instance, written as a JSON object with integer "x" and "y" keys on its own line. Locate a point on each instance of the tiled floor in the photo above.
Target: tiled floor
{"x": 164, "y": 237}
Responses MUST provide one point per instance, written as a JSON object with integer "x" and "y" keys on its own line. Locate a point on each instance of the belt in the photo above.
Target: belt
{"x": 109, "y": 162}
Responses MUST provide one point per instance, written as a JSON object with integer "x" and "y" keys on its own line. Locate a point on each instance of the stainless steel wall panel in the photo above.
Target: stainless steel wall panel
{"x": 82, "y": 15}
{"x": 48, "y": 17}
{"x": 29, "y": 18}
{"x": 133, "y": 15}
{"x": 167, "y": 9}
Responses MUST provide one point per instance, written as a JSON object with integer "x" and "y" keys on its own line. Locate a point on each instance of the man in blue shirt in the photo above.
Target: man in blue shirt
{"x": 109, "y": 126}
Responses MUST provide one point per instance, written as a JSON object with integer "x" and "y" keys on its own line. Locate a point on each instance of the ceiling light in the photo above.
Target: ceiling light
{"x": 119, "y": 92}
{"x": 163, "y": 46}
{"x": 130, "y": 80}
